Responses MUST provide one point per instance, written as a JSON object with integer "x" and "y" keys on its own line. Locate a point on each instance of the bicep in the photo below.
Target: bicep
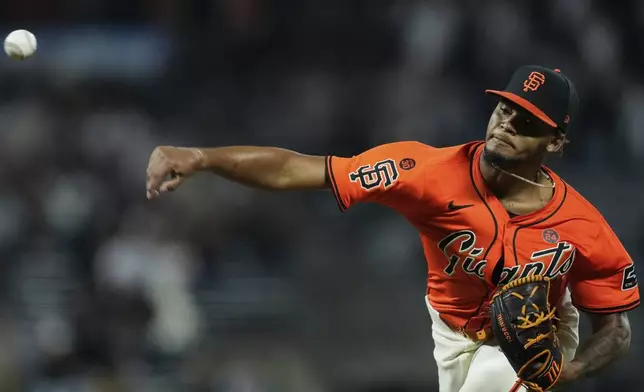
{"x": 302, "y": 171}
{"x": 611, "y": 320}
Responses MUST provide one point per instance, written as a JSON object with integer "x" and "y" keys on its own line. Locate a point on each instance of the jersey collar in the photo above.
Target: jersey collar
{"x": 493, "y": 202}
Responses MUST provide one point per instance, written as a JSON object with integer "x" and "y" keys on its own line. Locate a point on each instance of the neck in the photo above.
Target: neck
{"x": 505, "y": 185}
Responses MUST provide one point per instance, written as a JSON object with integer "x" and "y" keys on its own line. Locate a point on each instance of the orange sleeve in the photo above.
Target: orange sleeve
{"x": 603, "y": 278}
{"x": 389, "y": 174}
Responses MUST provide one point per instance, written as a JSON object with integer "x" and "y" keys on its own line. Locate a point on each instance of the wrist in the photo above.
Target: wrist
{"x": 201, "y": 160}
{"x": 574, "y": 369}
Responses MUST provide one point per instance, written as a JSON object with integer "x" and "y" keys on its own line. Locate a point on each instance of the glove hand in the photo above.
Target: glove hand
{"x": 522, "y": 321}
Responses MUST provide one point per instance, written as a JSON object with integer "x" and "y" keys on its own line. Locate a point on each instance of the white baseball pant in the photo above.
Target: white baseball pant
{"x": 468, "y": 366}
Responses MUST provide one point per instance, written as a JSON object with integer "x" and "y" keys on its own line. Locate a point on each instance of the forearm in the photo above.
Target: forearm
{"x": 608, "y": 342}
{"x": 265, "y": 167}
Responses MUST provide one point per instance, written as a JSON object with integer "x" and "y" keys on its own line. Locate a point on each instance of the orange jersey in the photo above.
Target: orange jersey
{"x": 470, "y": 241}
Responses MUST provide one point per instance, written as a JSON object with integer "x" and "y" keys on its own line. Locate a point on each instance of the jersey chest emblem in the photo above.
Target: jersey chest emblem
{"x": 551, "y": 262}
{"x": 462, "y": 253}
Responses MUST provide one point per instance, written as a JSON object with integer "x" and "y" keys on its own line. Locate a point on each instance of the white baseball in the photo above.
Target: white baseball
{"x": 20, "y": 44}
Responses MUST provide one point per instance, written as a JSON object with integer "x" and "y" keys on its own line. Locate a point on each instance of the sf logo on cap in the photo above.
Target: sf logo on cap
{"x": 534, "y": 81}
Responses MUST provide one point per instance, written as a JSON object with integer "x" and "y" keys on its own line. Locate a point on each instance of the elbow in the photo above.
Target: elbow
{"x": 621, "y": 331}
{"x": 283, "y": 176}
{"x": 280, "y": 182}
{"x": 616, "y": 328}
{"x": 625, "y": 339}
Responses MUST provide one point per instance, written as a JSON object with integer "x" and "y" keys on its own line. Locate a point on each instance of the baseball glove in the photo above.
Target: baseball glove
{"x": 523, "y": 323}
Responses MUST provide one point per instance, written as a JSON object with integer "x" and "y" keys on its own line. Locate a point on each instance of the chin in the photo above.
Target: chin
{"x": 500, "y": 158}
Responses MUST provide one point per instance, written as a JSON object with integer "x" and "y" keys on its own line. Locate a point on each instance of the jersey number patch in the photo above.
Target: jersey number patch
{"x": 383, "y": 173}
{"x": 629, "y": 279}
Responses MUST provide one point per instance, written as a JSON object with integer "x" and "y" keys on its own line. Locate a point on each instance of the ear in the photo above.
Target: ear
{"x": 557, "y": 143}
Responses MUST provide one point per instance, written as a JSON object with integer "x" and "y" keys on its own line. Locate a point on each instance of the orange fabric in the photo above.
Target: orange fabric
{"x": 603, "y": 278}
{"x": 471, "y": 244}
{"x": 376, "y": 165}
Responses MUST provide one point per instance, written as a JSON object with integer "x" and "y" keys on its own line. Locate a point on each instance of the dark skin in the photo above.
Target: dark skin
{"x": 610, "y": 339}
{"x": 516, "y": 141}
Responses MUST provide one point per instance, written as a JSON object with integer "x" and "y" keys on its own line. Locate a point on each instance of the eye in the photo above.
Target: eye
{"x": 528, "y": 121}
{"x": 505, "y": 110}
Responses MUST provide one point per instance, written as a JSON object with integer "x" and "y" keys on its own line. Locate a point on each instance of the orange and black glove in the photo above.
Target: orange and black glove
{"x": 523, "y": 324}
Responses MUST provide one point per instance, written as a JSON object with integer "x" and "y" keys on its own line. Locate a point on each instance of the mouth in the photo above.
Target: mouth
{"x": 503, "y": 140}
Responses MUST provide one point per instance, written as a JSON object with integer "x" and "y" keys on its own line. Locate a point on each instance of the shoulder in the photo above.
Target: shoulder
{"x": 405, "y": 161}
{"x": 425, "y": 153}
{"x": 576, "y": 208}
{"x": 579, "y": 205}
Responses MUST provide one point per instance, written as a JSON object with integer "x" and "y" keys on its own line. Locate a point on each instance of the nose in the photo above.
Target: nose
{"x": 508, "y": 127}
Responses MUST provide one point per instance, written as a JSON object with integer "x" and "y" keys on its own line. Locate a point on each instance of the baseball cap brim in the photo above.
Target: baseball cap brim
{"x": 527, "y": 105}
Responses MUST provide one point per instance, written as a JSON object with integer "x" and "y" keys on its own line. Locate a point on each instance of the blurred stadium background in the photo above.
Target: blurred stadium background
{"x": 223, "y": 288}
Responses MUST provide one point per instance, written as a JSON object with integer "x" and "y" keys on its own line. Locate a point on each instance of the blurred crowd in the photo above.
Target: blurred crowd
{"x": 223, "y": 288}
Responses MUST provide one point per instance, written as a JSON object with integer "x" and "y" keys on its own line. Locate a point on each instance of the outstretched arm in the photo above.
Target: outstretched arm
{"x": 382, "y": 174}
{"x": 260, "y": 167}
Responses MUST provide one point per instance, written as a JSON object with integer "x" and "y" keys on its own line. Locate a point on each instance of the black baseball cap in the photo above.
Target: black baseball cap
{"x": 546, "y": 93}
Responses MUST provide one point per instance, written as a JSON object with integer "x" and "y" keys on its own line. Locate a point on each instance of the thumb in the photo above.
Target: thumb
{"x": 172, "y": 184}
